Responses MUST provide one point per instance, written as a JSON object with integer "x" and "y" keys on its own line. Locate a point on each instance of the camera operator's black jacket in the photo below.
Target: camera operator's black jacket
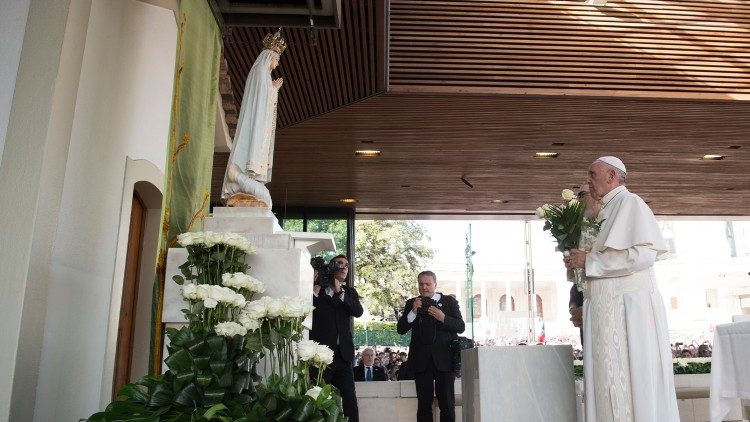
{"x": 430, "y": 338}
{"x": 332, "y": 320}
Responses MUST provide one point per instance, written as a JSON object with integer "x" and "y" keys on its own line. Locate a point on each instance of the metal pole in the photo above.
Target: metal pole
{"x": 469, "y": 280}
{"x": 530, "y": 288}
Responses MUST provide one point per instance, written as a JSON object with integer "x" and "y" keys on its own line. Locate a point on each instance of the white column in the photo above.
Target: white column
{"x": 508, "y": 301}
{"x": 31, "y": 173}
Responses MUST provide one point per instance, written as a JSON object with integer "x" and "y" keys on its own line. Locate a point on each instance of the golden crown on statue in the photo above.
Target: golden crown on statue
{"x": 274, "y": 42}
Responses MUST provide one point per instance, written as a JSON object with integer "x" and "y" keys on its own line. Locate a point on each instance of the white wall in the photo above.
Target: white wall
{"x": 13, "y": 16}
{"x": 122, "y": 109}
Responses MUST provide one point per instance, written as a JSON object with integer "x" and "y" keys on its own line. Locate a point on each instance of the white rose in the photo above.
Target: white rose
{"x": 202, "y": 291}
{"x": 209, "y": 239}
{"x": 314, "y": 392}
{"x": 239, "y": 301}
{"x": 190, "y": 291}
{"x": 292, "y": 307}
{"x": 540, "y": 212}
{"x": 273, "y": 307}
{"x": 323, "y": 355}
{"x": 573, "y": 202}
{"x": 229, "y": 329}
{"x": 227, "y": 278}
{"x": 250, "y": 324}
{"x": 185, "y": 239}
{"x": 256, "y": 309}
{"x": 306, "y": 349}
{"x": 568, "y": 194}
{"x": 210, "y": 303}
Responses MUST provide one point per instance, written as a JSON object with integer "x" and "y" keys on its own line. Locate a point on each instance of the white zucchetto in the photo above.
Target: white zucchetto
{"x": 614, "y": 162}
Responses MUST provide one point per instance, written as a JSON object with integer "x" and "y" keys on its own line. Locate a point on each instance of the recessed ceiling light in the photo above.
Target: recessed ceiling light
{"x": 368, "y": 141}
{"x": 498, "y": 201}
{"x": 735, "y": 146}
{"x": 348, "y": 200}
{"x": 558, "y": 144}
{"x": 367, "y": 153}
{"x": 713, "y": 157}
{"x": 545, "y": 155}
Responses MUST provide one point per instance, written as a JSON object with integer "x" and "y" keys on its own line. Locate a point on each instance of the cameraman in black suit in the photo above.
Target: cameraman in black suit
{"x": 335, "y": 306}
{"x": 434, "y": 320}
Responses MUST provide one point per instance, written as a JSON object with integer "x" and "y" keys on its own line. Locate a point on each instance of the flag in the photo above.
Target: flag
{"x": 541, "y": 335}
{"x": 187, "y": 181}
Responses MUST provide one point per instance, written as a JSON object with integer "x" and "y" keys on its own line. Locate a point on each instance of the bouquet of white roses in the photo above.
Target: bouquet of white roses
{"x": 571, "y": 229}
{"x": 564, "y": 221}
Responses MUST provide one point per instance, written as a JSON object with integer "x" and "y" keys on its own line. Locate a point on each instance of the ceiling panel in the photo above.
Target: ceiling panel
{"x": 428, "y": 142}
{"x": 680, "y": 49}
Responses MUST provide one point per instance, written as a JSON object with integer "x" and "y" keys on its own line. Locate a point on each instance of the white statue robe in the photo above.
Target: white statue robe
{"x": 628, "y": 373}
{"x": 251, "y": 160}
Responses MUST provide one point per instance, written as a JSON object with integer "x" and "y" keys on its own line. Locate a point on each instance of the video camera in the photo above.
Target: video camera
{"x": 426, "y": 303}
{"x": 325, "y": 271}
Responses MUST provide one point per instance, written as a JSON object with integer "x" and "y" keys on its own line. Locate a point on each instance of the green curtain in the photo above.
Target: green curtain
{"x": 187, "y": 185}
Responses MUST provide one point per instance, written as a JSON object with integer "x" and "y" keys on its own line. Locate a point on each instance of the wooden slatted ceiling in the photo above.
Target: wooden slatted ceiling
{"x": 342, "y": 68}
{"x": 429, "y": 141}
{"x": 681, "y": 49}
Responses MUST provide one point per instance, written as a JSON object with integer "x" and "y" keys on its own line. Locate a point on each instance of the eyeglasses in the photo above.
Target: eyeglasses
{"x": 344, "y": 264}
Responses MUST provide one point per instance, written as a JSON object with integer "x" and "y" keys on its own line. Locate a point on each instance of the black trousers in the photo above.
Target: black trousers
{"x": 341, "y": 375}
{"x": 435, "y": 383}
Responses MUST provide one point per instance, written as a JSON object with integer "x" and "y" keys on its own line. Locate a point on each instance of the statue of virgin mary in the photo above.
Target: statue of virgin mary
{"x": 251, "y": 160}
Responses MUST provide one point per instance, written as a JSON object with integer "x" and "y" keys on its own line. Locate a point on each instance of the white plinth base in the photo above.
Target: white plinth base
{"x": 281, "y": 261}
{"x": 518, "y": 383}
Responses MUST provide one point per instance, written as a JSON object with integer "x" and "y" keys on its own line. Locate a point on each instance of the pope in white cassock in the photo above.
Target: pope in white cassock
{"x": 628, "y": 373}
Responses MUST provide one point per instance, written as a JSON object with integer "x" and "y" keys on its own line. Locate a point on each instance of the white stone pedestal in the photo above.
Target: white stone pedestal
{"x": 281, "y": 260}
{"x": 518, "y": 383}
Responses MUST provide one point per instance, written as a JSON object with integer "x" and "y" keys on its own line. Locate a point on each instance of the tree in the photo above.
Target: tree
{"x": 389, "y": 255}
{"x": 337, "y": 227}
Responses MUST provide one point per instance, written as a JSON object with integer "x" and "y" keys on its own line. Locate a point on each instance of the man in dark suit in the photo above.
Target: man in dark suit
{"x": 335, "y": 306}
{"x": 430, "y": 355}
{"x": 367, "y": 371}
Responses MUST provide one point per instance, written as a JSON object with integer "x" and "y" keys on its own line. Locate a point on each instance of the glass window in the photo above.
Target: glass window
{"x": 337, "y": 227}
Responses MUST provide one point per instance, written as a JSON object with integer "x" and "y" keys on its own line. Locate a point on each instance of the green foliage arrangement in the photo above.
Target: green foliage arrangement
{"x": 212, "y": 361}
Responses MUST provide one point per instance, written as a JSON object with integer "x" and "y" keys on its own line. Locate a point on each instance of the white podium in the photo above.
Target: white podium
{"x": 518, "y": 383}
{"x": 281, "y": 260}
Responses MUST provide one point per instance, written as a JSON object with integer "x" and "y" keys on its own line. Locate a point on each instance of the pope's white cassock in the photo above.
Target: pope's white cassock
{"x": 627, "y": 356}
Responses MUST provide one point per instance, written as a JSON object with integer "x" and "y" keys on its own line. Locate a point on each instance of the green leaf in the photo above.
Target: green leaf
{"x": 161, "y": 396}
{"x": 219, "y": 367}
{"x": 214, "y": 395}
{"x": 218, "y": 347}
{"x": 303, "y": 411}
{"x": 213, "y": 410}
{"x": 202, "y": 362}
{"x": 188, "y": 396}
{"x": 240, "y": 382}
{"x": 178, "y": 361}
{"x": 225, "y": 379}
{"x": 283, "y": 413}
{"x": 203, "y": 379}
{"x": 133, "y": 392}
{"x": 178, "y": 279}
{"x": 269, "y": 403}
